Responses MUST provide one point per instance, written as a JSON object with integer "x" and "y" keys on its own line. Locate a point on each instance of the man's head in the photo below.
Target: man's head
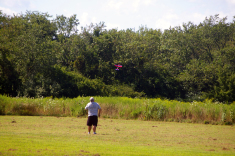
{"x": 92, "y": 99}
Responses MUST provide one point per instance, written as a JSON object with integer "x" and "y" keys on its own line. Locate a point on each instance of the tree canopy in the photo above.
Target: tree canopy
{"x": 44, "y": 57}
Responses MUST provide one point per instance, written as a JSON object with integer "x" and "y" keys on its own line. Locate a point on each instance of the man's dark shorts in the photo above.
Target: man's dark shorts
{"x": 92, "y": 120}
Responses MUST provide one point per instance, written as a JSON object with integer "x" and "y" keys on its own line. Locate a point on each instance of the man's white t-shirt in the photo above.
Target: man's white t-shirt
{"x": 92, "y": 108}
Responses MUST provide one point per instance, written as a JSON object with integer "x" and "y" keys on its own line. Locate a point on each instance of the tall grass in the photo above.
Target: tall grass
{"x": 123, "y": 107}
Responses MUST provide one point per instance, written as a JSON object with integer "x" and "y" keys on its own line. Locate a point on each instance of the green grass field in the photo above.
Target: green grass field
{"x": 43, "y": 135}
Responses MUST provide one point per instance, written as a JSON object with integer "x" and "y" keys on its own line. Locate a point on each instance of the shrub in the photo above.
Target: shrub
{"x": 2, "y": 108}
{"x": 206, "y": 122}
{"x": 136, "y": 113}
{"x": 232, "y": 115}
{"x": 228, "y": 123}
{"x": 77, "y": 110}
{"x": 24, "y": 109}
{"x": 123, "y": 107}
{"x": 156, "y": 112}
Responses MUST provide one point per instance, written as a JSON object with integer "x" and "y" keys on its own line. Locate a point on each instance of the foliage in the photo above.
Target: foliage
{"x": 123, "y": 107}
{"x": 40, "y": 56}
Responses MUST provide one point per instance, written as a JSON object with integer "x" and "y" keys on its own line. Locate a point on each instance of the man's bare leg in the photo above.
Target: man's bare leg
{"x": 89, "y": 129}
{"x": 94, "y": 129}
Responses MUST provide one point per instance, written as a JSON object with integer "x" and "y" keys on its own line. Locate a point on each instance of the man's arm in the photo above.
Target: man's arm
{"x": 86, "y": 108}
{"x": 99, "y": 112}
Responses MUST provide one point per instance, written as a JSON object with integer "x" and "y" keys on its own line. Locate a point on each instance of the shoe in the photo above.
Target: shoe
{"x": 94, "y": 132}
{"x": 88, "y": 132}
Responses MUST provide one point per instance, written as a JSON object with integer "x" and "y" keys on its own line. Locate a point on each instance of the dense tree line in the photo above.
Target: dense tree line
{"x": 40, "y": 56}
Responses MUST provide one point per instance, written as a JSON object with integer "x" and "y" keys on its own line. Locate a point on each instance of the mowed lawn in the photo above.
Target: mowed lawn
{"x": 42, "y": 135}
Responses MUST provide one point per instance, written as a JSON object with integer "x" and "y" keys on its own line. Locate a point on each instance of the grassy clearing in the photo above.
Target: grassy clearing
{"x": 40, "y": 135}
{"x": 125, "y": 108}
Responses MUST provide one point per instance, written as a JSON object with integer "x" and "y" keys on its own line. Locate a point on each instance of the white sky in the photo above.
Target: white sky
{"x": 123, "y": 14}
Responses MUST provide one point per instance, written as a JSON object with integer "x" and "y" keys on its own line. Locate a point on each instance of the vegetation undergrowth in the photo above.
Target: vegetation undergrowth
{"x": 206, "y": 112}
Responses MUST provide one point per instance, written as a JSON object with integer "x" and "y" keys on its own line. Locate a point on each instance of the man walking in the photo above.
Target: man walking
{"x": 94, "y": 111}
